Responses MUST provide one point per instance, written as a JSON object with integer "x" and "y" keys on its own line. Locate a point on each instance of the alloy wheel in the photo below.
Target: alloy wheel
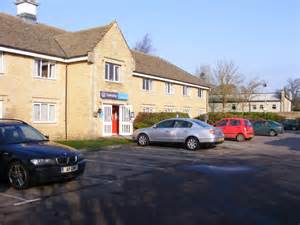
{"x": 18, "y": 176}
{"x": 192, "y": 144}
{"x": 143, "y": 140}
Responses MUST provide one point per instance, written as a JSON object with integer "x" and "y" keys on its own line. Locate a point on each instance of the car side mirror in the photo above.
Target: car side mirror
{"x": 154, "y": 126}
{"x": 47, "y": 137}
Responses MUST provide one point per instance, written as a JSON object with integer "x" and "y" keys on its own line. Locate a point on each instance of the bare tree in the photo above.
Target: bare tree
{"x": 204, "y": 72}
{"x": 248, "y": 91}
{"x": 144, "y": 45}
{"x": 226, "y": 78}
{"x": 293, "y": 88}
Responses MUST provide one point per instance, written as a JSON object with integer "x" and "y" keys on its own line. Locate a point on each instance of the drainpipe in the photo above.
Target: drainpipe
{"x": 66, "y": 103}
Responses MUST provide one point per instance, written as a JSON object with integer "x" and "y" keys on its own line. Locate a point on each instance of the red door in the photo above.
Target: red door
{"x": 115, "y": 119}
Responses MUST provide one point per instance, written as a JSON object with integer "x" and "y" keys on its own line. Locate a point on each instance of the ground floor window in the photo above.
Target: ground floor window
{"x": 254, "y": 107}
{"x": 148, "y": 109}
{"x": 44, "y": 112}
{"x": 1, "y": 110}
{"x": 274, "y": 106}
{"x": 169, "y": 109}
{"x": 261, "y": 107}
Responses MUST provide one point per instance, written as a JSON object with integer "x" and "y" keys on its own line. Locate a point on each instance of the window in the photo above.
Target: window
{"x": 1, "y": 62}
{"x": 112, "y": 72}
{"x": 169, "y": 109}
{"x": 261, "y": 107}
{"x": 233, "y": 107}
{"x": 147, "y": 84}
{"x": 169, "y": 88}
{"x": 148, "y": 109}
{"x": 44, "y": 112}
{"x": 185, "y": 91}
{"x": 165, "y": 124}
{"x": 200, "y": 93}
{"x": 187, "y": 110}
{"x": 44, "y": 69}
{"x": 235, "y": 123}
{"x": 1, "y": 110}
{"x": 222, "y": 123}
{"x": 254, "y": 107}
{"x": 182, "y": 124}
{"x": 274, "y": 106}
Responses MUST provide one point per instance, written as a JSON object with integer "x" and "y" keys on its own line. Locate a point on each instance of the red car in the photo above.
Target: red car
{"x": 236, "y": 128}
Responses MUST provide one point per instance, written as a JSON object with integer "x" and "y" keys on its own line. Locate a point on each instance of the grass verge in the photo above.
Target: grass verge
{"x": 95, "y": 144}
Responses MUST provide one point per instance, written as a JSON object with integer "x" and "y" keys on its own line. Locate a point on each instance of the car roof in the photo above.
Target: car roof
{"x": 4, "y": 122}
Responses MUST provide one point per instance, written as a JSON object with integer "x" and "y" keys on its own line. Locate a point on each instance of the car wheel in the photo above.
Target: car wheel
{"x": 240, "y": 138}
{"x": 272, "y": 133}
{"x": 192, "y": 144}
{"x": 18, "y": 175}
{"x": 143, "y": 140}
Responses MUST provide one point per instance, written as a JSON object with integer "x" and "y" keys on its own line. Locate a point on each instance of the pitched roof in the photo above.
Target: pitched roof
{"x": 36, "y": 38}
{"x": 156, "y": 66}
{"x": 43, "y": 39}
{"x": 48, "y": 40}
{"x": 80, "y": 43}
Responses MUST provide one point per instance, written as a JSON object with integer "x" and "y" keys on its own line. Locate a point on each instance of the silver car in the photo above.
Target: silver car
{"x": 193, "y": 133}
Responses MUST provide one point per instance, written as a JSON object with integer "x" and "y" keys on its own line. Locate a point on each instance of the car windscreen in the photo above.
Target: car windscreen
{"x": 202, "y": 124}
{"x": 20, "y": 133}
{"x": 248, "y": 123}
{"x": 275, "y": 123}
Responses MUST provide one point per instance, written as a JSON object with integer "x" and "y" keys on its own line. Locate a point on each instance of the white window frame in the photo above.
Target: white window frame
{"x": 2, "y": 70}
{"x": 144, "y": 85}
{"x": 169, "y": 89}
{"x": 148, "y": 109}
{"x": 186, "y": 90}
{"x": 170, "y": 109}
{"x": 38, "y": 66}
{"x": 200, "y": 93}
{"x": 1, "y": 109}
{"x": 48, "y": 112}
{"x": 107, "y": 71}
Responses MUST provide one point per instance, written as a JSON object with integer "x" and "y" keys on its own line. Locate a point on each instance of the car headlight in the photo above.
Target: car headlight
{"x": 43, "y": 162}
{"x": 80, "y": 157}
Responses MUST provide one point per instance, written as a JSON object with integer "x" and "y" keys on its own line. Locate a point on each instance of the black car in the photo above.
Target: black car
{"x": 27, "y": 157}
{"x": 291, "y": 124}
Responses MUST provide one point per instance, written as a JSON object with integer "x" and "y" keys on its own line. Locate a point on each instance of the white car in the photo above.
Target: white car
{"x": 193, "y": 133}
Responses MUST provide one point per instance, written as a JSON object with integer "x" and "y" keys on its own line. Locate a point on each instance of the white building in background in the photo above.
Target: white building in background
{"x": 260, "y": 102}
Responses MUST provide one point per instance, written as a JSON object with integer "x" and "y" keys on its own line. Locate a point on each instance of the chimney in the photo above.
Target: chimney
{"x": 27, "y": 10}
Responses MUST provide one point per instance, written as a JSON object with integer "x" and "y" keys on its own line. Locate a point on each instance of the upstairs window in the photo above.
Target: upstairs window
{"x": 185, "y": 91}
{"x": 1, "y": 63}
{"x": 233, "y": 107}
{"x": 200, "y": 92}
{"x": 112, "y": 72}
{"x": 147, "y": 84}
{"x": 44, "y": 69}
{"x": 274, "y": 106}
{"x": 169, "y": 88}
{"x": 261, "y": 107}
{"x": 254, "y": 107}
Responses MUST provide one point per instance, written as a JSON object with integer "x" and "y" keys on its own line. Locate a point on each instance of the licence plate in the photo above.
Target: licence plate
{"x": 69, "y": 169}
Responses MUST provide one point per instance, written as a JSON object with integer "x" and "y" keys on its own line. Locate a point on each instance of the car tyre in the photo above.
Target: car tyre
{"x": 143, "y": 140}
{"x": 240, "y": 138}
{"x": 272, "y": 133}
{"x": 192, "y": 144}
{"x": 18, "y": 176}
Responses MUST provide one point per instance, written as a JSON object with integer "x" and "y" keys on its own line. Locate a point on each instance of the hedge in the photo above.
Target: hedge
{"x": 214, "y": 117}
{"x": 149, "y": 119}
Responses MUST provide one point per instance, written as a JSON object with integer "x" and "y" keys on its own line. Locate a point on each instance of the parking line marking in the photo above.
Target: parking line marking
{"x": 125, "y": 164}
{"x": 27, "y": 202}
{"x": 12, "y": 196}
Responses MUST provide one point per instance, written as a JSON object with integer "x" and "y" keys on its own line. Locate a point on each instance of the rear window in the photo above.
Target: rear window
{"x": 235, "y": 123}
{"x": 248, "y": 123}
{"x": 201, "y": 124}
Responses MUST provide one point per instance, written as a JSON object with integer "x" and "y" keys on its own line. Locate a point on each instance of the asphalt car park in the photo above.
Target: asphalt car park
{"x": 254, "y": 182}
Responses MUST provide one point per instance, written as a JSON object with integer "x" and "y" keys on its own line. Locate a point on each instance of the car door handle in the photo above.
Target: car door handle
{"x": 5, "y": 153}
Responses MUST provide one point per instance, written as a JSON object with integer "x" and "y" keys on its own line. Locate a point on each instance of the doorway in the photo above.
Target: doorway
{"x": 115, "y": 119}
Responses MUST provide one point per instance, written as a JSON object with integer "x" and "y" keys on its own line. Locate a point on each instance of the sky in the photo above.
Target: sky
{"x": 262, "y": 37}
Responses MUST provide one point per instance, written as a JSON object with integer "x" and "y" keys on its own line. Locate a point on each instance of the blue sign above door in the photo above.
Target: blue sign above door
{"x": 113, "y": 95}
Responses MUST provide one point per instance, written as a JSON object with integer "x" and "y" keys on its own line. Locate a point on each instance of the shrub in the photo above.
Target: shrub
{"x": 149, "y": 119}
{"x": 214, "y": 117}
